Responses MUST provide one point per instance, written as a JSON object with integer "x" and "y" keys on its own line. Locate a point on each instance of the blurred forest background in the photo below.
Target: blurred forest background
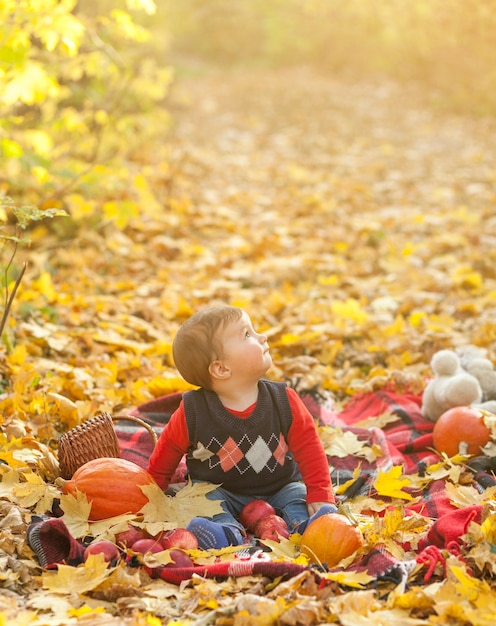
{"x": 85, "y": 82}
{"x": 444, "y": 48}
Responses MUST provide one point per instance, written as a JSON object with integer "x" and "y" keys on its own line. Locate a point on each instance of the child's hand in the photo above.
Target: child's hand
{"x": 313, "y": 507}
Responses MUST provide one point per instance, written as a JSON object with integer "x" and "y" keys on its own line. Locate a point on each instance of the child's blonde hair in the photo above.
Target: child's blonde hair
{"x": 196, "y": 344}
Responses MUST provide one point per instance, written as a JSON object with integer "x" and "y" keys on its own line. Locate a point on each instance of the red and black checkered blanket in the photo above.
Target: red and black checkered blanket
{"x": 405, "y": 441}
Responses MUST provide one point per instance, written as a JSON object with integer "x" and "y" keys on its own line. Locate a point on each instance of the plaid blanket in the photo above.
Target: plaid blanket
{"x": 406, "y": 441}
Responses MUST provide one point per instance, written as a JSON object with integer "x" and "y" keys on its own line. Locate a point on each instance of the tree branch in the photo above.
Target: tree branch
{"x": 10, "y": 299}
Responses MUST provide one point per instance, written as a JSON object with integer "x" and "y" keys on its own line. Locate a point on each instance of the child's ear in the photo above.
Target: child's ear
{"x": 217, "y": 369}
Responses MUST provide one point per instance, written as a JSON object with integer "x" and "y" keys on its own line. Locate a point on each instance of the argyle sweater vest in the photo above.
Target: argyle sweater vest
{"x": 248, "y": 456}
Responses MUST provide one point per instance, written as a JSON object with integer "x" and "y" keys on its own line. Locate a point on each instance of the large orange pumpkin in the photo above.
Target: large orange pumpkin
{"x": 461, "y": 429}
{"x": 330, "y": 538}
{"x": 111, "y": 485}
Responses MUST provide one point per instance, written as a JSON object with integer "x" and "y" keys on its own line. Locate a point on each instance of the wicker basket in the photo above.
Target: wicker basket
{"x": 93, "y": 439}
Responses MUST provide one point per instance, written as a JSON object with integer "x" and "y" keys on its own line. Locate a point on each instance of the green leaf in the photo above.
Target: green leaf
{"x": 27, "y": 214}
{"x": 14, "y": 239}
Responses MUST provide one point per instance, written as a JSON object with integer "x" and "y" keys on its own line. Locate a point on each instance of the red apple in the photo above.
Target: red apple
{"x": 109, "y": 550}
{"x": 179, "y": 538}
{"x": 179, "y": 559}
{"x": 270, "y": 521}
{"x": 127, "y": 537}
{"x": 271, "y": 527}
{"x": 275, "y": 534}
{"x": 142, "y": 546}
{"x": 253, "y": 512}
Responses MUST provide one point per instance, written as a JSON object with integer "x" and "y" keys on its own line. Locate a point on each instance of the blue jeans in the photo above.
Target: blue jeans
{"x": 289, "y": 503}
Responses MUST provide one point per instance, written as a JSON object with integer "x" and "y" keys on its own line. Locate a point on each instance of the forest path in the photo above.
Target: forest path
{"x": 377, "y": 134}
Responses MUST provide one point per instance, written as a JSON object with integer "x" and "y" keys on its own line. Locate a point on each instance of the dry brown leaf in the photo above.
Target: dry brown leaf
{"x": 466, "y": 495}
{"x": 342, "y": 443}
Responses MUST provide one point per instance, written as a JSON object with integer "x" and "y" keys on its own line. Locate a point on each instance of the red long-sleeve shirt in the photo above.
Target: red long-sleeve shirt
{"x": 303, "y": 441}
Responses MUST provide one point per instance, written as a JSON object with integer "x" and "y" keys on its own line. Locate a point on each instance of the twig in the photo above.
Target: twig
{"x": 11, "y": 297}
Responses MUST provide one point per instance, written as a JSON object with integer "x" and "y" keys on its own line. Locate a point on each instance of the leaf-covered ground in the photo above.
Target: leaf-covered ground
{"x": 355, "y": 224}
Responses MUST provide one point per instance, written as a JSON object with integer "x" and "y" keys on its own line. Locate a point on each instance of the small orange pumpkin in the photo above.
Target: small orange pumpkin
{"x": 461, "y": 425}
{"x": 112, "y": 485}
{"x": 330, "y": 538}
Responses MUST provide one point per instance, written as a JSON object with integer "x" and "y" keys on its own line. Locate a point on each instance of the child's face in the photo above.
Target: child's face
{"x": 244, "y": 350}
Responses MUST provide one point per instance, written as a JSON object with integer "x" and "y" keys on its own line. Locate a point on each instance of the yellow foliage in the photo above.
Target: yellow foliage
{"x": 44, "y": 286}
{"x": 85, "y": 610}
{"x": 488, "y": 528}
{"x": 350, "y": 309}
{"x": 31, "y": 85}
{"x": 165, "y": 512}
{"x": 79, "y": 580}
{"x": 466, "y": 277}
{"x": 391, "y": 482}
{"x": 80, "y": 206}
{"x": 18, "y": 355}
{"x": 121, "y": 213}
{"x": 61, "y": 29}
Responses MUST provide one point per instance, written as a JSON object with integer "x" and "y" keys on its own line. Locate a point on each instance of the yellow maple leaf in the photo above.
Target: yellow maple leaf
{"x": 467, "y": 585}
{"x": 289, "y": 338}
{"x": 163, "y": 512}
{"x": 18, "y": 356}
{"x": 79, "y": 579}
{"x": 467, "y": 277}
{"x": 488, "y": 528}
{"x": 107, "y": 528}
{"x": 378, "y": 421}
{"x": 76, "y": 513}
{"x": 35, "y": 492}
{"x": 391, "y": 529}
{"x": 349, "y": 579}
{"x": 414, "y": 598}
{"x": 125, "y": 576}
{"x": 282, "y": 550}
{"x": 393, "y": 519}
{"x": 339, "y": 443}
{"x": 391, "y": 482}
